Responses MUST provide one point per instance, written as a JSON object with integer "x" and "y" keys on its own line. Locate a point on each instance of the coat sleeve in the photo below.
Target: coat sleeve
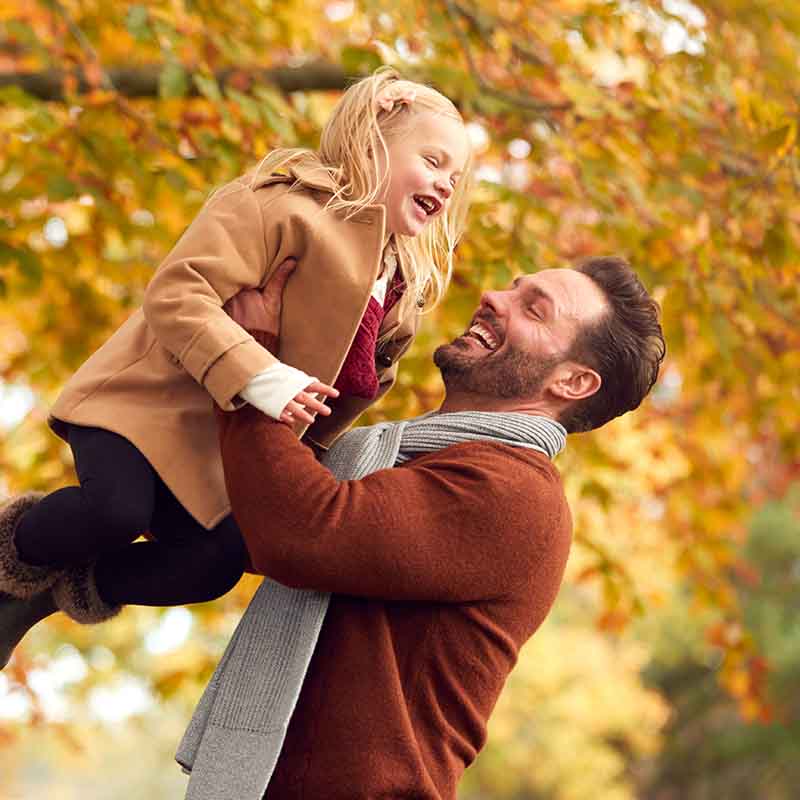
{"x": 450, "y": 530}
{"x": 225, "y": 249}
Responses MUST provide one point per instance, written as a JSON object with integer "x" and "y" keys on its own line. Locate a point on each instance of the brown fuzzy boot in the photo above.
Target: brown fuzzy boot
{"x": 75, "y": 593}
{"x": 17, "y": 617}
{"x": 18, "y": 578}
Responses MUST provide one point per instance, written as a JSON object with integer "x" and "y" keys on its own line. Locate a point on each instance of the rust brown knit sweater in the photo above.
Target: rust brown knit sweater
{"x": 440, "y": 570}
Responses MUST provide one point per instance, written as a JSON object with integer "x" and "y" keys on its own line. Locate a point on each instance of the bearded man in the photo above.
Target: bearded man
{"x": 408, "y": 565}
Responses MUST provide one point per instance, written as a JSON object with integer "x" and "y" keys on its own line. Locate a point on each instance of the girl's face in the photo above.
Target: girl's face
{"x": 426, "y": 159}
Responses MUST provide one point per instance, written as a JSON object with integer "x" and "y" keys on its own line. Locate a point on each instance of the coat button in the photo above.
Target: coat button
{"x": 383, "y": 360}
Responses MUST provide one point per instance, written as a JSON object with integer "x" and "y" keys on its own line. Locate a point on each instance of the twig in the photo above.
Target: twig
{"x": 523, "y": 52}
{"x": 508, "y": 97}
{"x": 84, "y": 44}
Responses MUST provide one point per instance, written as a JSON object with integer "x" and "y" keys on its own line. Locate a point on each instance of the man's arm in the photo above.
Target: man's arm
{"x": 437, "y": 531}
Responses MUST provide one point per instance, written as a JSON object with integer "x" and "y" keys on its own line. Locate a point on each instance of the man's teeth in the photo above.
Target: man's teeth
{"x": 486, "y": 337}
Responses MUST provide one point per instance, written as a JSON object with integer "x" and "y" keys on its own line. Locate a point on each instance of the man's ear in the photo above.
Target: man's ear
{"x": 572, "y": 381}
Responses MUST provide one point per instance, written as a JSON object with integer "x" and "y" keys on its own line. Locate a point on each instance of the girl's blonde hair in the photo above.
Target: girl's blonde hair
{"x": 356, "y": 131}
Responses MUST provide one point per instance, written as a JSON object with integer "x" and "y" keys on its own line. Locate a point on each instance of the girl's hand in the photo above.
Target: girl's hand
{"x": 305, "y": 405}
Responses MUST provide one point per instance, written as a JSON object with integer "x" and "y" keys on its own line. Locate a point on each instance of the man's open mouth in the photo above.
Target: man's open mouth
{"x": 484, "y": 335}
{"x": 430, "y": 205}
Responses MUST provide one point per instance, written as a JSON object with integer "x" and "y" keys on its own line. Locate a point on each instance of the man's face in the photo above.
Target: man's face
{"x": 519, "y": 335}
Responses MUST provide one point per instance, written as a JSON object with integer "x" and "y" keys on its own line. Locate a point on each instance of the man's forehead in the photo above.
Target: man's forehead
{"x": 573, "y": 293}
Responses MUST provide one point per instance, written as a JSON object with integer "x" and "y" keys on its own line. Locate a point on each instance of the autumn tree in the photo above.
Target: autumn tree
{"x": 663, "y": 131}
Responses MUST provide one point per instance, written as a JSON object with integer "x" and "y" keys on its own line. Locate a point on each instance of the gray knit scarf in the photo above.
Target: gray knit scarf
{"x": 236, "y": 733}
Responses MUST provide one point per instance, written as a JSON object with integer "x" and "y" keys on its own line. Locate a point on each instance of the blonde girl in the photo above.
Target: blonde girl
{"x": 371, "y": 221}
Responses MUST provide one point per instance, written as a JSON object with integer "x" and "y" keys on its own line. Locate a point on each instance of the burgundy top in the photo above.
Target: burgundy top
{"x": 358, "y": 376}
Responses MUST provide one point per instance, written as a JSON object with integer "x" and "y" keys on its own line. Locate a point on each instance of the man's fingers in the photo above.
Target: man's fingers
{"x": 284, "y": 270}
{"x": 246, "y": 308}
{"x": 273, "y": 290}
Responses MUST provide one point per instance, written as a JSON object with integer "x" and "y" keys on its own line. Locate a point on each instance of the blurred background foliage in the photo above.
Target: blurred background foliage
{"x": 665, "y": 131}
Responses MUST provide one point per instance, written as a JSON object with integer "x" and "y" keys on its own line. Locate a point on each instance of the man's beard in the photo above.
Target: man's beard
{"x": 508, "y": 375}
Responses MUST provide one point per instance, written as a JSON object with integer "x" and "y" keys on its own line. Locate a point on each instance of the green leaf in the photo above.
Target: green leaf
{"x": 29, "y": 264}
{"x": 15, "y": 97}
{"x": 59, "y": 187}
{"x": 208, "y": 87}
{"x": 251, "y": 109}
{"x": 173, "y": 81}
{"x": 360, "y": 60}
{"x": 776, "y": 245}
{"x": 137, "y": 23}
{"x": 22, "y": 32}
{"x": 276, "y": 120}
{"x": 176, "y": 180}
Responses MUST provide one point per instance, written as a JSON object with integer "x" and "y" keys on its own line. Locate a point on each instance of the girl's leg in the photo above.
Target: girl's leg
{"x": 49, "y": 542}
{"x": 187, "y": 563}
{"x": 111, "y": 507}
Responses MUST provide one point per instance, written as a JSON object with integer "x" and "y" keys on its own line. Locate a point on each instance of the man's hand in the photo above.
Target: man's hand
{"x": 258, "y": 311}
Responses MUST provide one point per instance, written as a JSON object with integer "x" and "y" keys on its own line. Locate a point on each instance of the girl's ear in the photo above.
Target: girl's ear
{"x": 573, "y": 381}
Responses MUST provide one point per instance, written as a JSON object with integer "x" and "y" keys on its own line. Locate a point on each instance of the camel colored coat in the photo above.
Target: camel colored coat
{"x": 153, "y": 381}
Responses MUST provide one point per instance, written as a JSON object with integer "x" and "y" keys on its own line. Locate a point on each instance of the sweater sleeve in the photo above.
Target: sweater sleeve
{"x": 225, "y": 249}
{"x": 456, "y": 527}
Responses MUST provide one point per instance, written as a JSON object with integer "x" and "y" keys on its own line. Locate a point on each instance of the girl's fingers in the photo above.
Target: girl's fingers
{"x": 318, "y": 387}
{"x": 311, "y": 403}
{"x": 305, "y": 405}
{"x": 298, "y": 412}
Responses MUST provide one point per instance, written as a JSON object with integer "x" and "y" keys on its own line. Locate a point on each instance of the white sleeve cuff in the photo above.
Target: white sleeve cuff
{"x": 272, "y": 389}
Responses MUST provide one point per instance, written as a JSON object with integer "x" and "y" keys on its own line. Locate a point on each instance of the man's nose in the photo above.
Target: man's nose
{"x": 494, "y": 299}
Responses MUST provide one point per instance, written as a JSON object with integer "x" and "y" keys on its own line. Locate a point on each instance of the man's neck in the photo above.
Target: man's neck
{"x": 460, "y": 402}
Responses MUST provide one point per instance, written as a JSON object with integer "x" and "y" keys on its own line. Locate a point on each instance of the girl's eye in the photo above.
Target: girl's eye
{"x": 434, "y": 162}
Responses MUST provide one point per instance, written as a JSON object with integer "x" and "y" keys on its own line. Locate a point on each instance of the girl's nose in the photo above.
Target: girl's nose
{"x": 444, "y": 187}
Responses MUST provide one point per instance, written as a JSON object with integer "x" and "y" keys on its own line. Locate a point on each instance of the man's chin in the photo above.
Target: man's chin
{"x": 455, "y": 358}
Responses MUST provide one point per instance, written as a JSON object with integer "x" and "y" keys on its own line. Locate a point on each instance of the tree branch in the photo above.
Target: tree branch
{"x": 525, "y": 52}
{"x": 143, "y": 81}
{"x": 514, "y": 99}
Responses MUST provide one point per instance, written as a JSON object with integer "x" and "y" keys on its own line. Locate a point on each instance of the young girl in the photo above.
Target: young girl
{"x": 370, "y": 220}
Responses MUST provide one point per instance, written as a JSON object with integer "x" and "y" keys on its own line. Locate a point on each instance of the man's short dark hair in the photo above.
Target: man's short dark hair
{"x": 626, "y": 346}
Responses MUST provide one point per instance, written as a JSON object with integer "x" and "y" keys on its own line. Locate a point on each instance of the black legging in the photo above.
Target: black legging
{"x": 121, "y": 496}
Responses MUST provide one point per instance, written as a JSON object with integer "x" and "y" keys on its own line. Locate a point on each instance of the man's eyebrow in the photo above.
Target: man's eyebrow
{"x": 534, "y": 290}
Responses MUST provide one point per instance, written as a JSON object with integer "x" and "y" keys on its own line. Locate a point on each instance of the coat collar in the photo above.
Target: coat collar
{"x": 312, "y": 176}
{"x": 316, "y": 177}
